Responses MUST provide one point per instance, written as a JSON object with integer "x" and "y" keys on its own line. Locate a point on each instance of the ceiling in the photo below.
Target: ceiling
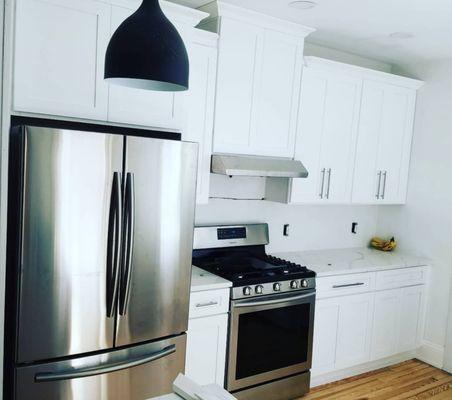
{"x": 363, "y": 26}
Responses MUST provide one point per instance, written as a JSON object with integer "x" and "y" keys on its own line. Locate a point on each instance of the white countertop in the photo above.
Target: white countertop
{"x": 203, "y": 280}
{"x": 351, "y": 261}
{"x": 171, "y": 396}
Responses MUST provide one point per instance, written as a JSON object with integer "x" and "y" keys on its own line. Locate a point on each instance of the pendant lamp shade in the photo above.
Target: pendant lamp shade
{"x": 147, "y": 52}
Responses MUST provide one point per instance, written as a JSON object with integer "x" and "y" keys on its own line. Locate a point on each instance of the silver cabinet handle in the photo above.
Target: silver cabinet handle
{"x": 329, "y": 184}
{"x": 385, "y": 174}
{"x": 103, "y": 368}
{"x": 348, "y": 285}
{"x": 323, "y": 183}
{"x": 377, "y": 195}
{"x": 208, "y": 304}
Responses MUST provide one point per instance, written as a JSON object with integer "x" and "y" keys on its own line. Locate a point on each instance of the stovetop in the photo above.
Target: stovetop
{"x": 249, "y": 266}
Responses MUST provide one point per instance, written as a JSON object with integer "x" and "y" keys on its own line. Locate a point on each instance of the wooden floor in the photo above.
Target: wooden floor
{"x": 411, "y": 380}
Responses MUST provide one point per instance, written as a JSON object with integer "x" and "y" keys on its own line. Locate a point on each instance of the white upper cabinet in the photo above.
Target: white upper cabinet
{"x": 328, "y": 123}
{"x": 384, "y": 143}
{"x": 59, "y": 61}
{"x": 259, "y": 73}
{"x": 278, "y": 74}
{"x": 59, "y": 57}
{"x": 142, "y": 107}
{"x": 200, "y": 107}
{"x": 235, "y": 86}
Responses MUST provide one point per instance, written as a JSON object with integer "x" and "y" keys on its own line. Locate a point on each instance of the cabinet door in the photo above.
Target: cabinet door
{"x": 354, "y": 330}
{"x": 386, "y": 323}
{"x": 206, "y": 349}
{"x": 384, "y": 143}
{"x": 59, "y": 57}
{"x": 235, "y": 86}
{"x": 274, "y": 117}
{"x": 200, "y": 112}
{"x": 410, "y": 317}
{"x": 328, "y": 122}
{"x": 138, "y": 106}
{"x": 325, "y": 335}
{"x": 394, "y": 147}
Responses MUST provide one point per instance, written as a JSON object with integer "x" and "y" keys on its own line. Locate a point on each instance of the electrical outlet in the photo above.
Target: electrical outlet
{"x": 286, "y": 230}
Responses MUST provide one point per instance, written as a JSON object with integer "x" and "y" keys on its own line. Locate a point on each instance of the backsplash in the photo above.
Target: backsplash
{"x": 311, "y": 227}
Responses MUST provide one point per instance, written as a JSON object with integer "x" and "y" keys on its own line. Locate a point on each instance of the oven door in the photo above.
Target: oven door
{"x": 270, "y": 338}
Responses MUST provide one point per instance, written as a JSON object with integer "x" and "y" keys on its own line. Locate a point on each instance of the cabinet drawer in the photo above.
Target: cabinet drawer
{"x": 209, "y": 302}
{"x": 396, "y": 278}
{"x": 345, "y": 284}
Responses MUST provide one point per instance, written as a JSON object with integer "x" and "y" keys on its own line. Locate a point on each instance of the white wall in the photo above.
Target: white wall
{"x": 311, "y": 227}
{"x": 424, "y": 225}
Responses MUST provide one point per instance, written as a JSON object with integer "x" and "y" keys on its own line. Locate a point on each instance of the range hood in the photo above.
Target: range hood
{"x": 237, "y": 165}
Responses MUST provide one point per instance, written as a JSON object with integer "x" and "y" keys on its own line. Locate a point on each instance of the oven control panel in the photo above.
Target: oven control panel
{"x": 266, "y": 289}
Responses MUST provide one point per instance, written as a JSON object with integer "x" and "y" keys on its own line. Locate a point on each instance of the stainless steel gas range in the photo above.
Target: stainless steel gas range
{"x": 271, "y": 312}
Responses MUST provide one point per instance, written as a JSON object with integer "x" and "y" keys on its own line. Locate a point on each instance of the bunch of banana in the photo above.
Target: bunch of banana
{"x": 382, "y": 244}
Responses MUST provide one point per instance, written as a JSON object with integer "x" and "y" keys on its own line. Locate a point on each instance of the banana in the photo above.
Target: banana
{"x": 382, "y": 244}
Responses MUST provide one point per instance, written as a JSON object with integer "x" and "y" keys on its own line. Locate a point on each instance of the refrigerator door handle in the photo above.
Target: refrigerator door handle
{"x": 103, "y": 368}
{"x": 129, "y": 223}
{"x": 114, "y": 243}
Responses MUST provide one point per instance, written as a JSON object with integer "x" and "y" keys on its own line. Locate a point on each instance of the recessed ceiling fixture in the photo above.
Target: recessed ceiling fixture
{"x": 401, "y": 35}
{"x": 303, "y": 4}
{"x": 147, "y": 52}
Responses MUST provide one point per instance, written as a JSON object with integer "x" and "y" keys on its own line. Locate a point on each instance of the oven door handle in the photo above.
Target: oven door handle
{"x": 269, "y": 302}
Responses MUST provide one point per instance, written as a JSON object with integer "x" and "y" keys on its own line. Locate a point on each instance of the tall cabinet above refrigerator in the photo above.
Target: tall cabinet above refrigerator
{"x": 99, "y": 259}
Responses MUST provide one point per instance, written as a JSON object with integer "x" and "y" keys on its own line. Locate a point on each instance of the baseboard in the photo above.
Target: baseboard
{"x": 317, "y": 380}
{"x": 431, "y": 353}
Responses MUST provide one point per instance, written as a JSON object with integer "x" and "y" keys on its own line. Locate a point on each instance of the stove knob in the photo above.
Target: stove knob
{"x": 277, "y": 287}
{"x": 259, "y": 289}
{"x": 247, "y": 291}
{"x": 304, "y": 283}
{"x": 294, "y": 285}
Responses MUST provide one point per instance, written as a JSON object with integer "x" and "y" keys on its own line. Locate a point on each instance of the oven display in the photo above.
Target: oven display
{"x": 231, "y": 233}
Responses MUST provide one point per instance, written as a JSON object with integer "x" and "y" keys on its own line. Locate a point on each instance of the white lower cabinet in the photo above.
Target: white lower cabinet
{"x": 207, "y": 336}
{"x": 325, "y": 335}
{"x": 342, "y": 332}
{"x": 411, "y": 304}
{"x": 352, "y": 329}
{"x": 397, "y": 321}
{"x": 206, "y": 349}
{"x": 386, "y": 314}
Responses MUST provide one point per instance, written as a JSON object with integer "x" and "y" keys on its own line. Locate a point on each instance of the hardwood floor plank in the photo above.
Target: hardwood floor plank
{"x": 410, "y": 380}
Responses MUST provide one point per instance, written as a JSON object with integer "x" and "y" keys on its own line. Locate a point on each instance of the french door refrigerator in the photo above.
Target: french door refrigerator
{"x": 99, "y": 263}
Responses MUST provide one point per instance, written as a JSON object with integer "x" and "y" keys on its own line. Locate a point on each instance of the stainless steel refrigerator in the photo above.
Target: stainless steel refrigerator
{"x": 99, "y": 263}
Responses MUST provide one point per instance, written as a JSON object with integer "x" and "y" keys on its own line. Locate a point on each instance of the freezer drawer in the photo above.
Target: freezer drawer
{"x": 137, "y": 373}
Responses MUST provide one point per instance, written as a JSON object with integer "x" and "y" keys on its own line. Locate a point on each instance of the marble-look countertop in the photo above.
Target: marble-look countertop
{"x": 203, "y": 280}
{"x": 351, "y": 261}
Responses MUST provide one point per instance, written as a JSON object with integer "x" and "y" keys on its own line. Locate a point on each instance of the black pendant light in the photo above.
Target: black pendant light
{"x": 147, "y": 52}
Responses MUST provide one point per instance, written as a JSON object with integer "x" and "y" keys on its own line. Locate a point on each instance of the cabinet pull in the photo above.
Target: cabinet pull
{"x": 329, "y": 184}
{"x": 348, "y": 285}
{"x": 207, "y": 304}
{"x": 323, "y": 183}
{"x": 379, "y": 185}
{"x": 385, "y": 174}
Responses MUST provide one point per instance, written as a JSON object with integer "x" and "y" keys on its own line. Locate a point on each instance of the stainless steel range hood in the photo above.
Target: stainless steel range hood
{"x": 237, "y": 165}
